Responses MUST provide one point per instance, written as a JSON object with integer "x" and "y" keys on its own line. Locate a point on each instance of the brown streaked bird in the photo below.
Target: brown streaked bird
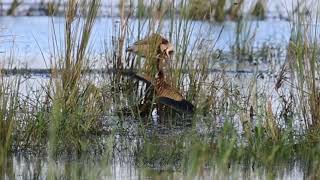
{"x": 165, "y": 93}
{"x": 170, "y": 96}
{"x": 154, "y": 46}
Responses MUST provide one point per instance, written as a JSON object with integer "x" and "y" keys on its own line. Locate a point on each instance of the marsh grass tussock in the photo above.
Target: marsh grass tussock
{"x": 259, "y": 10}
{"x": 8, "y": 116}
{"x": 14, "y": 5}
{"x": 75, "y": 106}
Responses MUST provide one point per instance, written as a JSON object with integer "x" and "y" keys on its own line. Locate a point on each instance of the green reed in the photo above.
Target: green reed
{"x": 14, "y": 5}
{"x": 9, "y": 99}
{"x": 76, "y": 104}
{"x": 259, "y": 10}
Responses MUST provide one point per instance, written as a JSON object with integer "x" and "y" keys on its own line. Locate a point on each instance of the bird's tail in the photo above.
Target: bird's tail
{"x": 182, "y": 106}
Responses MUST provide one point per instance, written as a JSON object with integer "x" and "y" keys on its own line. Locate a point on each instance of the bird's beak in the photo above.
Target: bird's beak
{"x": 169, "y": 56}
{"x": 169, "y": 52}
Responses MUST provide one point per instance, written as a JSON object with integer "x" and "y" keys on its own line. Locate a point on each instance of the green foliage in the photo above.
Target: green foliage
{"x": 219, "y": 14}
{"x": 259, "y": 10}
{"x": 302, "y": 59}
{"x": 197, "y": 9}
{"x": 9, "y": 90}
{"x": 76, "y": 107}
{"x": 14, "y": 5}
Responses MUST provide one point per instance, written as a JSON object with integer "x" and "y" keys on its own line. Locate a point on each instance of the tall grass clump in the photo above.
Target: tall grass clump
{"x": 245, "y": 32}
{"x": 75, "y": 103}
{"x": 219, "y": 14}
{"x": 235, "y": 10}
{"x": 259, "y": 10}
{"x": 52, "y": 7}
{"x": 14, "y": 5}
{"x": 197, "y": 9}
{"x": 217, "y": 10}
{"x": 9, "y": 104}
{"x": 303, "y": 54}
{"x": 142, "y": 10}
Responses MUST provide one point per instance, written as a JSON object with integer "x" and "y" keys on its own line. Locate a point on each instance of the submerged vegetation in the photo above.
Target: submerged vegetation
{"x": 260, "y": 125}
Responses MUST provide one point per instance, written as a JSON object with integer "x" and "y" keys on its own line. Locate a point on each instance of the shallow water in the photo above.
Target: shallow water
{"x": 29, "y": 167}
{"x": 125, "y": 163}
{"x": 125, "y": 154}
{"x": 25, "y": 38}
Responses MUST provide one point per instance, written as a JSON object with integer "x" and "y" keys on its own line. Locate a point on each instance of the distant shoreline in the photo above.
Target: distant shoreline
{"x": 27, "y": 71}
{"x": 106, "y": 10}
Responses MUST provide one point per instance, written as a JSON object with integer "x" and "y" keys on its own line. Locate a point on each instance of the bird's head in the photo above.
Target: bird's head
{"x": 168, "y": 50}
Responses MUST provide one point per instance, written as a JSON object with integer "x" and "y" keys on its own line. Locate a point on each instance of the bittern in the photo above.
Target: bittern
{"x": 165, "y": 93}
{"x": 154, "y": 46}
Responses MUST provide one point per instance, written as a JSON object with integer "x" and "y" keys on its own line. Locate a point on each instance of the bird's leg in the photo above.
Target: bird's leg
{"x": 145, "y": 106}
{"x": 161, "y": 113}
{"x": 132, "y": 62}
{"x": 136, "y": 88}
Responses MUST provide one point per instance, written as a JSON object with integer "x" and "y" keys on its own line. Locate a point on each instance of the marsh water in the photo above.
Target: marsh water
{"x": 123, "y": 152}
{"x": 29, "y": 37}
